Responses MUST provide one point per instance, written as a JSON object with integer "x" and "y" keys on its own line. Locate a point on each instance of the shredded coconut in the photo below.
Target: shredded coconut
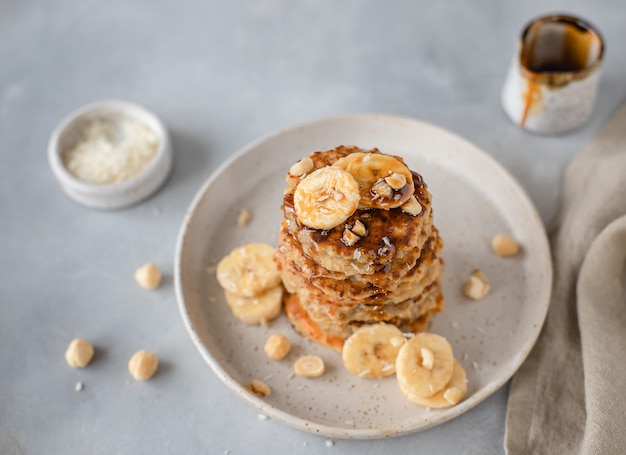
{"x": 108, "y": 152}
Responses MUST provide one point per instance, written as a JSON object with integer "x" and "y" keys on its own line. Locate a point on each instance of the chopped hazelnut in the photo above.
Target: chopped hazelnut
{"x": 396, "y": 180}
{"x": 412, "y": 207}
{"x": 453, "y": 395}
{"x": 260, "y": 388}
{"x": 349, "y": 238}
{"x": 382, "y": 189}
{"x": 505, "y": 246}
{"x": 476, "y": 286}
{"x": 428, "y": 358}
{"x": 359, "y": 228}
{"x": 304, "y": 166}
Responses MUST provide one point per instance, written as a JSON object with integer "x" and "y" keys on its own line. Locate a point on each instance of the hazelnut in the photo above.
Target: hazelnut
{"x": 79, "y": 353}
{"x": 148, "y": 276}
{"x": 143, "y": 365}
{"x": 277, "y": 346}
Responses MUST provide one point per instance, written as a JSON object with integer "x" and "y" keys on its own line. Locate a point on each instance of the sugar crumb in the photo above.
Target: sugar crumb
{"x": 79, "y": 386}
{"x": 330, "y": 443}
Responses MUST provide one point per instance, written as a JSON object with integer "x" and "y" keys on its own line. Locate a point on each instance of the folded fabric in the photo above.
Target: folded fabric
{"x": 569, "y": 396}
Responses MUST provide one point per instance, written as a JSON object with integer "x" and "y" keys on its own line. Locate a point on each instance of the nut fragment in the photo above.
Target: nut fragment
{"x": 382, "y": 189}
{"x": 143, "y": 365}
{"x": 476, "y": 286}
{"x": 505, "y": 246}
{"x": 397, "y": 341}
{"x": 259, "y": 388}
{"x": 148, "y": 276}
{"x": 412, "y": 206}
{"x": 453, "y": 395}
{"x": 309, "y": 366}
{"x": 349, "y": 238}
{"x": 359, "y": 228}
{"x": 79, "y": 353}
{"x": 428, "y": 358}
{"x": 244, "y": 218}
{"x": 302, "y": 167}
{"x": 277, "y": 346}
{"x": 396, "y": 180}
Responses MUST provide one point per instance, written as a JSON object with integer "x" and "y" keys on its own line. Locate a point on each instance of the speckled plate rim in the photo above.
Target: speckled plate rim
{"x": 491, "y": 166}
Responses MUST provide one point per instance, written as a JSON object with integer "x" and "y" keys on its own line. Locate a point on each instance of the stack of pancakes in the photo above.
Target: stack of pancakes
{"x": 391, "y": 274}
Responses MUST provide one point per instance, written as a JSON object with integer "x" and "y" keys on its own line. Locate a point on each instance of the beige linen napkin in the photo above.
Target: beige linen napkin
{"x": 570, "y": 394}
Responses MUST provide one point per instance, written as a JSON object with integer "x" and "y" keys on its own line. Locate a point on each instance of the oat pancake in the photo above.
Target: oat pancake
{"x": 379, "y": 263}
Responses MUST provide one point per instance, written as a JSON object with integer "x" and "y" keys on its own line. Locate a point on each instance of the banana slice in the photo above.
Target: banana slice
{"x": 371, "y": 351}
{"x": 384, "y": 182}
{"x": 256, "y": 310}
{"x": 309, "y": 366}
{"x": 326, "y": 198}
{"x": 451, "y": 394}
{"x": 249, "y": 270}
{"x": 424, "y": 364}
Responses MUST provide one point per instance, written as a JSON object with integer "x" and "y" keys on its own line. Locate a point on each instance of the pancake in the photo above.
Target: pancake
{"x": 389, "y": 272}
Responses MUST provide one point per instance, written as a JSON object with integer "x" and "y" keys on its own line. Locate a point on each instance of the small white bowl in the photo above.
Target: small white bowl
{"x": 118, "y": 194}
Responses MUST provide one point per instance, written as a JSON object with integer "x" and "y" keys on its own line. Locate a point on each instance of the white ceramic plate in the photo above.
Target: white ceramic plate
{"x": 473, "y": 200}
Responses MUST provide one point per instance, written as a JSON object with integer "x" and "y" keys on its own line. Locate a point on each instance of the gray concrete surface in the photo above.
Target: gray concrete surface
{"x": 221, "y": 74}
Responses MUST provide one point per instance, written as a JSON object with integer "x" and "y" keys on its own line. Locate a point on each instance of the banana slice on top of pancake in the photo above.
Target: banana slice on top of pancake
{"x": 384, "y": 181}
{"x": 326, "y": 198}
